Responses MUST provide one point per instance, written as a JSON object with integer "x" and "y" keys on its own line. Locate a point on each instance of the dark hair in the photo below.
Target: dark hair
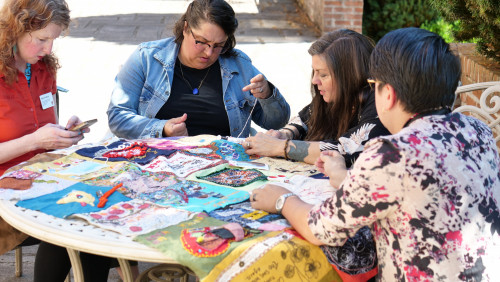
{"x": 420, "y": 66}
{"x": 347, "y": 54}
{"x": 218, "y": 12}
{"x": 18, "y": 17}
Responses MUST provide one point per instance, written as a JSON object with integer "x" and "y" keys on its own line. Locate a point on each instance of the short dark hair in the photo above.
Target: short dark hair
{"x": 218, "y": 12}
{"x": 420, "y": 66}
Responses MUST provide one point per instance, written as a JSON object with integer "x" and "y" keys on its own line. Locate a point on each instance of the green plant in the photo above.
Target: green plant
{"x": 382, "y": 16}
{"x": 443, "y": 28}
{"x": 479, "y": 20}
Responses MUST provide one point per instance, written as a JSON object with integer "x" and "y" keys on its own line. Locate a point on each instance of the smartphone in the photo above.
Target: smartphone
{"x": 83, "y": 125}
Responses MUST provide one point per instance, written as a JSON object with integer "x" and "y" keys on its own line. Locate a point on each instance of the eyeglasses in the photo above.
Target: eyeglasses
{"x": 372, "y": 82}
{"x": 202, "y": 46}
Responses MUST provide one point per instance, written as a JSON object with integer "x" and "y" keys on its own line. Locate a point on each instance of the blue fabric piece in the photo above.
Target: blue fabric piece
{"x": 48, "y": 203}
{"x": 230, "y": 151}
{"x": 244, "y": 214}
{"x": 195, "y": 196}
{"x": 99, "y": 152}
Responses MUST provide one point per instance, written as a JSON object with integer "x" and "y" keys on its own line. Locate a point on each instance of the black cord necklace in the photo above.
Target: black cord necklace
{"x": 196, "y": 90}
{"x": 435, "y": 111}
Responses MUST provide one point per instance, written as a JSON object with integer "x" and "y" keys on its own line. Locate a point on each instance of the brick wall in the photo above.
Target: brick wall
{"x": 331, "y": 15}
{"x": 476, "y": 68}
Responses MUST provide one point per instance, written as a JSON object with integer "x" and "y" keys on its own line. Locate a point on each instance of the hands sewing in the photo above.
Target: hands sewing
{"x": 259, "y": 87}
{"x": 332, "y": 164}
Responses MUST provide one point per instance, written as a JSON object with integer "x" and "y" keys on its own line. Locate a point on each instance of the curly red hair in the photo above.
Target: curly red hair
{"x": 18, "y": 17}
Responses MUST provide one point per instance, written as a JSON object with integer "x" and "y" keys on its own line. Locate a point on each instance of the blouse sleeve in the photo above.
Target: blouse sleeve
{"x": 299, "y": 122}
{"x": 352, "y": 142}
{"x": 372, "y": 190}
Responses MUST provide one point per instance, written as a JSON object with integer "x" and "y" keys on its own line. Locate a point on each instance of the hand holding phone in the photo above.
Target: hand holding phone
{"x": 83, "y": 125}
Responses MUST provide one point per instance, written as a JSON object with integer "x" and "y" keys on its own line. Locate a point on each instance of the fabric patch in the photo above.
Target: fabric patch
{"x": 278, "y": 256}
{"x": 23, "y": 174}
{"x": 167, "y": 144}
{"x": 139, "y": 182}
{"x": 180, "y": 163}
{"x": 123, "y": 150}
{"x": 168, "y": 241}
{"x": 42, "y": 185}
{"x": 234, "y": 177}
{"x": 289, "y": 168}
{"x": 15, "y": 183}
{"x": 135, "y": 217}
{"x": 78, "y": 198}
{"x": 310, "y": 190}
{"x": 194, "y": 196}
{"x": 231, "y": 151}
{"x": 244, "y": 214}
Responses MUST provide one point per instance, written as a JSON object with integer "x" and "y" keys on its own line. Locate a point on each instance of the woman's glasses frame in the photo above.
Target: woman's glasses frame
{"x": 202, "y": 46}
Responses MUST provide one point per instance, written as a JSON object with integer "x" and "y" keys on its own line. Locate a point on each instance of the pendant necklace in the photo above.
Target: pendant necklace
{"x": 197, "y": 89}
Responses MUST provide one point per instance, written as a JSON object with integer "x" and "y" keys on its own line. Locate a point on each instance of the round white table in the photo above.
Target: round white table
{"x": 78, "y": 235}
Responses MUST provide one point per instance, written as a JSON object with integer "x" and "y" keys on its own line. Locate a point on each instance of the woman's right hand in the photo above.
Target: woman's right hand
{"x": 53, "y": 136}
{"x": 176, "y": 126}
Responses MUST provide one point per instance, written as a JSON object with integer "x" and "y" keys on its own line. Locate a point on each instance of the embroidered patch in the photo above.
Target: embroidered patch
{"x": 230, "y": 151}
{"x": 234, "y": 177}
{"x": 15, "y": 183}
{"x": 200, "y": 242}
{"x": 24, "y": 174}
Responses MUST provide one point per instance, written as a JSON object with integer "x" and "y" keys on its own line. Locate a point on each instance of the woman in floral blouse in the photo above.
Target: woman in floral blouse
{"x": 430, "y": 191}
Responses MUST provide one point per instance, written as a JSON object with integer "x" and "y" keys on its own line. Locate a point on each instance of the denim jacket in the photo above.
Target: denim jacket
{"x": 143, "y": 86}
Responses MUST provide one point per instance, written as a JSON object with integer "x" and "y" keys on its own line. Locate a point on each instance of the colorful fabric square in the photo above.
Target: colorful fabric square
{"x": 15, "y": 183}
{"x": 234, "y": 177}
{"x": 204, "y": 242}
{"x": 23, "y": 174}
{"x": 78, "y": 198}
{"x": 198, "y": 140}
{"x": 230, "y": 150}
{"x": 113, "y": 171}
{"x": 72, "y": 167}
{"x": 310, "y": 190}
{"x": 244, "y": 214}
{"x": 180, "y": 163}
{"x": 167, "y": 144}
{"x": 277, "y": 256}
{"x": 168, "y": 241}
{"x": 249, "y": 186}
{"x": 135, "y": 217}
{"x": 139, "y": 182}
{"x": 289, "y": 168}
{"x": 44, "y": 184}
{"x": 194, "y": 196}
{"x": 123, "y": 150}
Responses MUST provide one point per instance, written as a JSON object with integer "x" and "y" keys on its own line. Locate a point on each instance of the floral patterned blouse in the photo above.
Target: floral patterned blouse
{"x": 431, "y": 194}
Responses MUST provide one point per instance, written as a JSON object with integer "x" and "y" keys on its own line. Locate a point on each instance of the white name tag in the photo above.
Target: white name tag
{"x": 47, "y": 100}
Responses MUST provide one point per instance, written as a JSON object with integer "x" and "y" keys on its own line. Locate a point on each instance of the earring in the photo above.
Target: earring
{"x": 14, "y": 49}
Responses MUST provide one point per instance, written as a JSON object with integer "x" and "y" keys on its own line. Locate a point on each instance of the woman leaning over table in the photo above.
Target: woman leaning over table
{"x": 194, "y": 83}
{"x": 431, "y": 191}
{"x": 342, "y": 113}
{"x": 28, "y": 118}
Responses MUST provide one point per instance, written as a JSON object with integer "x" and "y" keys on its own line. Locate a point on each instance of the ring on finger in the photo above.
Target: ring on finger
{"x": 248, "y": 144}
{"x": 261, "y": 89}
{"x": 253, "y": 197}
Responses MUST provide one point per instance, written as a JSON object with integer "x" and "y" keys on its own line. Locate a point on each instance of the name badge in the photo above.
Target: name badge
{"x": 47, "y": 100}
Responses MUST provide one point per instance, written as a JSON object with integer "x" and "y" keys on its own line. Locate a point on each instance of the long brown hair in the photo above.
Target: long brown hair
{"x": 18, "y": 17}
{"x": 347, "y": 55}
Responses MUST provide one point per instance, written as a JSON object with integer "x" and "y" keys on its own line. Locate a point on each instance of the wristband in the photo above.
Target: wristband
{"x": 291, "y": 131}
{"x": 284, "y": 150}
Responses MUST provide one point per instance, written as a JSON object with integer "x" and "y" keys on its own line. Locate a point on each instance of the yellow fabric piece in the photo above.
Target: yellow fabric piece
{"x": 278, "y": 256}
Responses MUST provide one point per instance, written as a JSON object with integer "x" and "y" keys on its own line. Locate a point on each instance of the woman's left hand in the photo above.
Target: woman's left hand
{"x": 264, "y": 145}
{"x": 259, "y": 87}
{"x": 74, "y": 120}
{"x": 265, "y": 198}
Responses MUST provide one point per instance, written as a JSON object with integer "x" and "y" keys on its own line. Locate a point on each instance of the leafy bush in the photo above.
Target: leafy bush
{"x": 443, "y": 28}
{"x": 478, "y": 19}
{"x": 382, "y": 16}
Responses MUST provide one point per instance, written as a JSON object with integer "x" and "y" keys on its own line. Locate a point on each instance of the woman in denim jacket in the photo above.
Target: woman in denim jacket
{"x": 194, "y": 83}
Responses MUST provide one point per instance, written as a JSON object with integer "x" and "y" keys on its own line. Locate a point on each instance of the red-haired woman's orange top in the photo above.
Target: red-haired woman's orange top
{"x": 21, "y": 110}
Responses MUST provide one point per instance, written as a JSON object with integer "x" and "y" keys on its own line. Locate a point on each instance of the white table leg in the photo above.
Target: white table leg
{"x": 76, "y": 264}
{"x": 126, "y": 272}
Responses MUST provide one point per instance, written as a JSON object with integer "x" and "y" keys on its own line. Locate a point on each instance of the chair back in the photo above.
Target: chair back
{"x": 485, "y": 104}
